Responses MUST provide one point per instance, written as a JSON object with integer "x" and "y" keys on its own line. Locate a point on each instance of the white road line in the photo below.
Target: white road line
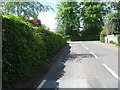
{"x": 86, "y": 48}
{"x": 113, "y": 73}
{"x": 42, "y": 83}
{"x": 83, "y": 45}
{"x": 94, "y": 55}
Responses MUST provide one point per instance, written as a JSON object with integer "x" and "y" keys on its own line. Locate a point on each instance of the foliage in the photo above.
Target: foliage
{"x": 112, "y": 42}
{"x": 89, "y": 37}
{"x": 68, "y": 20}
{"x": 91, "y": 14}
{"x": 113, "y": 18}
{"x": 114, "y": 22}
{"x": 25, "y": 47}
{"x": 23, "y": 9}
{"x": 119, "y": 39}
{"x": 53, "y": 42}
{"x": 115, "y": 6}
{"x": 102, "y": 35}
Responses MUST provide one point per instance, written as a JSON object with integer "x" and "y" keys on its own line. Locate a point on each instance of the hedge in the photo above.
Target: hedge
{"x": 102, "y": 35}
{"x": 53, "y": 42}
{"x": 89, "y": 35}
{"x": 119, "y": 39}
{"x": 25, "y": 47}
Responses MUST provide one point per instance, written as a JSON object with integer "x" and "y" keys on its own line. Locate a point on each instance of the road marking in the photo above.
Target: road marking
{"x": 94, "y": 55}
{"x": 42, "y": 83}
{"x": 113, "y": 73}
{"x": 86, "y": 48}
{"x": 83, "y": 45}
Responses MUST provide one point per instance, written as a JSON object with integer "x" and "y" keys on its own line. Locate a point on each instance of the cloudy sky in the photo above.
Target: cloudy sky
{"x": 48, "y": 18}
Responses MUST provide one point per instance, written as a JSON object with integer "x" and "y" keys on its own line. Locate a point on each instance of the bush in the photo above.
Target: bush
{"x": 112, "y": 42}
{"x": 102, "y": 35}
{"x": 53, "y": 42}
{"x": 119, "y": 39}
{"x": 89, "y": 35}
{"x": 25, "y": 47}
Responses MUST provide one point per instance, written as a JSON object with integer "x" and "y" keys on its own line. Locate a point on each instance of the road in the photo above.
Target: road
{"x": 84, "y": 64}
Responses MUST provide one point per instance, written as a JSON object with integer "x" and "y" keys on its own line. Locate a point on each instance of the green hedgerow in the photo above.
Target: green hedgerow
{"x": 102, "y": 35}
{"x": 119, "y": 39}
{"x": 25, "y": 47}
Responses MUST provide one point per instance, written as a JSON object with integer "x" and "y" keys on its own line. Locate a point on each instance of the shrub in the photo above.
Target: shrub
{"x": 102, "y": 35}
{"x": 53, "y": 41}
{"x": 22, "y": 49}
{"x": 119, "y": 39}
{"x": 112, "y": 42}
{"x": 89, "y": 35}
{"x": 25, "y": 47}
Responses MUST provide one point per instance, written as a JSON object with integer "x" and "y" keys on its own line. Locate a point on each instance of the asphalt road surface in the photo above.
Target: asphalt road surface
{"x": 84, "y": 64}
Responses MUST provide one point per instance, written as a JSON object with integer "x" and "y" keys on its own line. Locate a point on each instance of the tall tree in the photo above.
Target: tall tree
{"x": 91, "y": 14}
{"x": 114, "y": 18}
{"x": 24, "y": 9}
{"x": 115, "y": 6}
{"x": 67, "y": 19}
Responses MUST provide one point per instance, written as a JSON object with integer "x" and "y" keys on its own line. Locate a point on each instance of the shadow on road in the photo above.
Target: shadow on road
{"x": 56, "y": 71}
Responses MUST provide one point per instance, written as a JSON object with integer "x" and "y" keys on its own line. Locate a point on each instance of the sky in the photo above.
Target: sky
{"x": 48, "y": 18}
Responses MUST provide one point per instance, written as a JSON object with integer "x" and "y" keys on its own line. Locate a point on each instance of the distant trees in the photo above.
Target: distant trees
{"x": 114, "y": 23}
{"x": 23, "y": 9}
{"x": 88, "y": 14}
{"x": 67, "y": 19}
{"x": 91, "y": 14}
{"x": 113, "y": 19}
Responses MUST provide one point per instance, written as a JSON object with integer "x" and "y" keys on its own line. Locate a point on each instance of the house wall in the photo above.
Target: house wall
{"x": 113, "y": 38}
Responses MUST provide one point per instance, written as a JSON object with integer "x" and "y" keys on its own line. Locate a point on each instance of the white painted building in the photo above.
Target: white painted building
{"x": 113, "y": 38}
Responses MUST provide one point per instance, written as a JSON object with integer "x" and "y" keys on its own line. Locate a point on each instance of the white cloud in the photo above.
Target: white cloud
{"x": 48, "y": 19}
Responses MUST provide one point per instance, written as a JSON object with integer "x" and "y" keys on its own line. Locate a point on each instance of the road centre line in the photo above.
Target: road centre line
{"x": 94, "y": 55}
{"x": 86, "y": 48}
{"x": 83, "y": 45}
{"x": 90, "y": 52}
{"x": 112, "y": 72}
{"x": 42, "y": 83}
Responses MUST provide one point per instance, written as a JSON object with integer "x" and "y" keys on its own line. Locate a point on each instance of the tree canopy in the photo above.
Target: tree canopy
{"x": 113, "y": 19}
{"x": 72, "y": 14}
{"x": 67, "y": 18}
{"x": 91, "y": 13}
{"x": 24, "y": 9}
